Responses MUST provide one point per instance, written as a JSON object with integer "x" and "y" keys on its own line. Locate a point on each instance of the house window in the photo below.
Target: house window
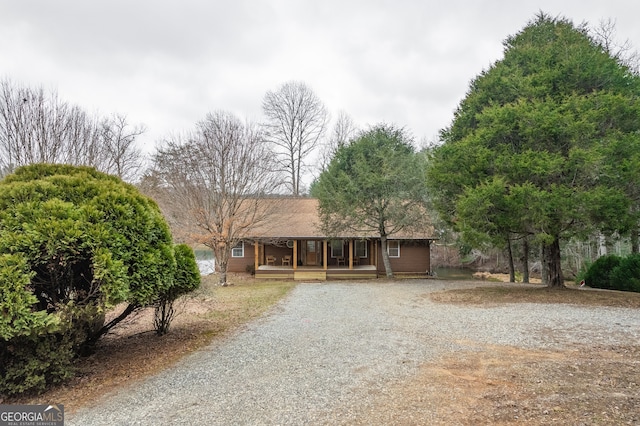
{"x": 361, "y": 248}
{"x": 238, "y": 250}
{"x": 337, "y": 248}
{"x": 393, "y": 248}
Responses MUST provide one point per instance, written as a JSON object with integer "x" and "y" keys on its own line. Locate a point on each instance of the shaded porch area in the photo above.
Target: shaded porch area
{"x": 316, "y": 273}
{"x": 315, "y": 259}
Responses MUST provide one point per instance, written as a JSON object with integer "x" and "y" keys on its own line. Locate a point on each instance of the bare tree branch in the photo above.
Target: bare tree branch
{"x": 343, "y": 131}
{"x": 605, "y": 35}
{"x": 296, "y": 123}
{"x": 213, "y": 184}
{"x": 37, "y": 127}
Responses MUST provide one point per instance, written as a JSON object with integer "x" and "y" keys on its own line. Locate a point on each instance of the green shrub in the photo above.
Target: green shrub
{"x": 86, "y": 235}
{"x": 17, "y": 316}
{"x": 599, "y": 273}
{"x": 626, "y": 276}
{"x": 187, "y": 279}
{"x": 615, "y": 273}
{"x": 30, "y": 355}
{"x": 74, "y": 242}
{"x": 31, "y": 363}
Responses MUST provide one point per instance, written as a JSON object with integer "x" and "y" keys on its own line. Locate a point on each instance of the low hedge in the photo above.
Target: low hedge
{"x": 613, "y": 272}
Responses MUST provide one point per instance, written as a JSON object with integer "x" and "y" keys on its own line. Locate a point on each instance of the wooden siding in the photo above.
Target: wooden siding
{"x": 414, "y": 258}
{"x": 240, "y": 264}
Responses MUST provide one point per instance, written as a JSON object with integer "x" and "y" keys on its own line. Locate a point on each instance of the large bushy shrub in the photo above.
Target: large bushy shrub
{"x": 599, "y": 273}
{"x": 626, "y": 276}
{"x": 615, "y": 273}
{"x": 33, "y": 350}
{"x": 74, "y": 242}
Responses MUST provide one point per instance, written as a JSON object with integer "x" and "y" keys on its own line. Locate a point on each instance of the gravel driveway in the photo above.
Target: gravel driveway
{"x": 321, "y": 352}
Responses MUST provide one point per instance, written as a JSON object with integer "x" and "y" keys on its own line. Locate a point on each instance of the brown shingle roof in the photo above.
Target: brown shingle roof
{"x": 297, "y": 218}
{"x": 291, "y": 218}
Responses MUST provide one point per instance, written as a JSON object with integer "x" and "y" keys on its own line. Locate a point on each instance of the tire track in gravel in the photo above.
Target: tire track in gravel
{"x": 329, "y": 350}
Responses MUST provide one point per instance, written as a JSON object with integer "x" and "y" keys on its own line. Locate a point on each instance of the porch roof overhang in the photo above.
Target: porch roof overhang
{"x": 338, "y": 237}
{"x": 298, "y": 219}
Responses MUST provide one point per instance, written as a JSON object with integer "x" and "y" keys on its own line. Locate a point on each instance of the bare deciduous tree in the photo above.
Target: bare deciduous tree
{"x": 213, "y": 184}
{"x": 296, "y": 123}
{"x": 37, "y": 127}
{"x": 121, "y": 156}
{"x": 605, "y": 34}
{"x": 343, "y": 131}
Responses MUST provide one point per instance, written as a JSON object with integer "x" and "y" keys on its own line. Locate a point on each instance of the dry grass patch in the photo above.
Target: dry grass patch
{"x": 134, "y": 351}
{"x": 491, "y": 295}
{"x": 490, "y": 384}
{"x": 505, "y": 385}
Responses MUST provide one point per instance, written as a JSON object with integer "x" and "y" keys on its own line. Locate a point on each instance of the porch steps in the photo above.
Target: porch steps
{"x": 360, "y": 275}
{"x": 310, "y": 275}
{"x": 283, "y": 276}
{"x": 306, "y": 273}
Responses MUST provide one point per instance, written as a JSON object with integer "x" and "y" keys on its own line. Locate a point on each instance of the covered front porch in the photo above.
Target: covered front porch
{"x": 315, "y": 259}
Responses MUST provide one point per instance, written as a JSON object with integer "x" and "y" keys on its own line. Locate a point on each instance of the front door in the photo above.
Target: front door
{"x": 312, "y": 253}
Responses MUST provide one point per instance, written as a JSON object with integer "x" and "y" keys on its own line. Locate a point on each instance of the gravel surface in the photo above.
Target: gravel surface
{"x": 328, "y": 347}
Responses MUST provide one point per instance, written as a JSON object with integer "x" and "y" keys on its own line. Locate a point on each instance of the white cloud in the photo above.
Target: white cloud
{"x": 166, "y": 64}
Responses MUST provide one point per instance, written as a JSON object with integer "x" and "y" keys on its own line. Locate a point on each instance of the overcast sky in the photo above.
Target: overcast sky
{"x": 165, "y": 64}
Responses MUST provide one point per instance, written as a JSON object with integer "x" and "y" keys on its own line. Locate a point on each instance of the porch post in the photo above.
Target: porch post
{"x": 324, "y": 254}
{"x": 372, "y": 260}
{"x": 295, "y": 254}
{"x": 256, "y": 255}
{"x": 375, "y": 262}
{"x": 350, "y": 254}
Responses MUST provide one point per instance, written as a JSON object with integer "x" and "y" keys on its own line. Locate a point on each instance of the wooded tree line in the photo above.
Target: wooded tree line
{"x": 218, "y": 183}
{"x": 544, "y": 149}
{"x": 206, "y": 179}
{"x": 38, "y": 127}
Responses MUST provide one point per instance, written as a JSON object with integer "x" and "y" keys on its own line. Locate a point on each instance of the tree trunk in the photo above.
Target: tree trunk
{"x": 525, "y": 260}
{"x": 95, "y": 334}
{"x": 512, "y": 269}
{"x": 163, "y": 316}
{"x": 635, "y": 245}
{"x": 385, "y": 256}
{"x": 602, "y": 245}
{"x": 552, "y": 267}
{"x": 294, "y": 180}
{"x": 222, "y": 253}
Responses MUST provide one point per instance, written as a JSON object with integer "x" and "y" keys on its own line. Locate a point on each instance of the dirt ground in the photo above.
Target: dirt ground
{"x": 505, "y": 385}
{"x": 579, "y": 385}
{"x": 489, "y": 384}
